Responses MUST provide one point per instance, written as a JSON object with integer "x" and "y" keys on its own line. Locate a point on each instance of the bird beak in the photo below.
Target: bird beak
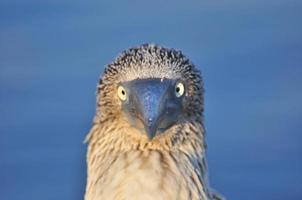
{"x": 151, "y": 128}
{"x": 148, "y": 99}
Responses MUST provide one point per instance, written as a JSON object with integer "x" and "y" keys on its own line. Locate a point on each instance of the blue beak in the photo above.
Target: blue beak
{"x": 152, "y": 102}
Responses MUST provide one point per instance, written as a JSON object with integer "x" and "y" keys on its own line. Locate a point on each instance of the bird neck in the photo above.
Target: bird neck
{"x": 120, "y": 148}
{"x": 123, "y": 137}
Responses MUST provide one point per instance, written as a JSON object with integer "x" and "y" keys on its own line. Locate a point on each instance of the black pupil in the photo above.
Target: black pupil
{"x": 123, "y": 92}
{"x": 177, "y": 89}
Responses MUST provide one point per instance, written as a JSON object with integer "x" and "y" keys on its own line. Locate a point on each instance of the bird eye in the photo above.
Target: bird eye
{"x": 121, "y": 93}
{"x": 179, "y": 89}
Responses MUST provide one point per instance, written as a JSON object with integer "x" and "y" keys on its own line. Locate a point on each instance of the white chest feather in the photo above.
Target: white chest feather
{"x": 145, "y": 175}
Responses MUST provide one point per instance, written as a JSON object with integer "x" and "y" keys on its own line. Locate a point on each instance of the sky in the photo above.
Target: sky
{"x": 53, "y": 52}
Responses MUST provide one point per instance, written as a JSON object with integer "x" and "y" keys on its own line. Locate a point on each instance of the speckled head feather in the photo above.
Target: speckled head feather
{"x": 150, "y": 61}
{"x": 124, "y": 164}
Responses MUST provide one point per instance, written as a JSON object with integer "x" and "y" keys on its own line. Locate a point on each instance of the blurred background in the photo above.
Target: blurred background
{"x": 52, "y": 53}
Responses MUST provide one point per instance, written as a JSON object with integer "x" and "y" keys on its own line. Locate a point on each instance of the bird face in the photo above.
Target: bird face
{"x": 150, "y": 92}
{"x": 152, "y": 105}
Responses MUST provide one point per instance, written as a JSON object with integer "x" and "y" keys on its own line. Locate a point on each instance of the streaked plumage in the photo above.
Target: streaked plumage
{"x": 125, "y": 164}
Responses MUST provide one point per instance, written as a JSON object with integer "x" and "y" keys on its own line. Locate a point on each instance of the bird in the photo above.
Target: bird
{"x": 147, "y": 140}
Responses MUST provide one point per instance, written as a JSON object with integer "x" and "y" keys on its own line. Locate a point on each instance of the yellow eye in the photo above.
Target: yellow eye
{"x": 121, "y": 93}
{"x": 179, "y": 89}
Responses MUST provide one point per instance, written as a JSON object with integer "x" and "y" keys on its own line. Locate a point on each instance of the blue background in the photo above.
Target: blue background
{"x": 53, "y": 51}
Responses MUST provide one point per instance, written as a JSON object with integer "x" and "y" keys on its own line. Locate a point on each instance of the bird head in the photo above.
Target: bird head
{"x": 152, "y": 89}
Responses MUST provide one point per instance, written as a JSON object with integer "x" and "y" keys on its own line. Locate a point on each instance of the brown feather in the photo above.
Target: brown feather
{"x": 122, "y": 163}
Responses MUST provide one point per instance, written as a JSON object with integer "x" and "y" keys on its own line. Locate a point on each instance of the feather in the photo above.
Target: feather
{"x": 122, "y": 163}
